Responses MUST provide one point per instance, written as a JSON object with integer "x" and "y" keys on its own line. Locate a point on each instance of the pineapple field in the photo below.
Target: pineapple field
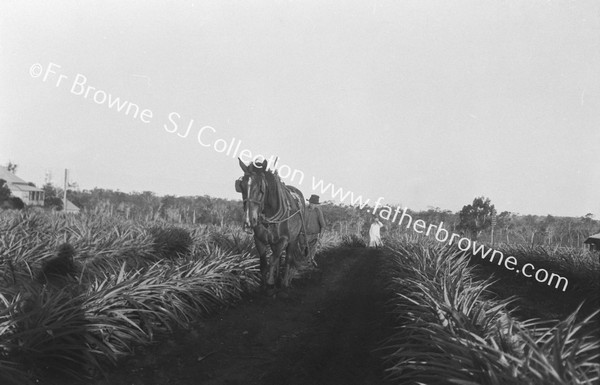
{"x": 96, "y": 299}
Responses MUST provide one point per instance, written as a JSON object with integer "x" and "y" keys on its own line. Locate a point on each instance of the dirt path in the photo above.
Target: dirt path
{"x": 323, "y": 333}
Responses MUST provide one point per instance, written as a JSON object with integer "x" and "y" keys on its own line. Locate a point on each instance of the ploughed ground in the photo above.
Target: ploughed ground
{"x": 325, "y": 331}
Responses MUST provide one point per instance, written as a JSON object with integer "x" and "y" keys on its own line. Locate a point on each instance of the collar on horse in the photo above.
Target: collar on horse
{"x": 283, "y": 212}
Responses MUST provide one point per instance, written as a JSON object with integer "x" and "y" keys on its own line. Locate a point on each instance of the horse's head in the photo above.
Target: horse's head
{"x": 253, "y": 186}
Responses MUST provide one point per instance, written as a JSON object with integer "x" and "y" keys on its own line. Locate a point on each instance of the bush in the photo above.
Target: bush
{"x": 171, "y": 242}
{"x": 13, "y": 203}
{"x": 58, "y": 267}
{"x": 353, "y": 240}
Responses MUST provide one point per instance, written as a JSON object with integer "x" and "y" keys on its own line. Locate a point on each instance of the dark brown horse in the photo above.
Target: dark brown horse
{"x": 275, "y": 213}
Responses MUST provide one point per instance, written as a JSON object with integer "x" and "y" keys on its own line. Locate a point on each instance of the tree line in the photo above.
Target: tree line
{"x": 473, "y": 220}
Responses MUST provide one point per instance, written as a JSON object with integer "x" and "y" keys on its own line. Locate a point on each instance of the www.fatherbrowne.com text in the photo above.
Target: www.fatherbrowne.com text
{"x": 465, "y": 244}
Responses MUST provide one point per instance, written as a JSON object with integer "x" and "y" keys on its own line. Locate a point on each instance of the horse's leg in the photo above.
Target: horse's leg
{"x": 261, "y": 248}
{"x": 277, "y": 249}
{"x": 295, "y": 249}
{"x": 278, "y": 270}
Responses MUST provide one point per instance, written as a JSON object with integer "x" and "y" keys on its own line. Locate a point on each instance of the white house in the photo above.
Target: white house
{"x": 31, "y": 196}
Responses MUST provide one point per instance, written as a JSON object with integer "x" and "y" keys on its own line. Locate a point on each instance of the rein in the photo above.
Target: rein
{"x": 284, "y": 207}
{"x": 271, "y": 220}
{"x": 278, "y": 215}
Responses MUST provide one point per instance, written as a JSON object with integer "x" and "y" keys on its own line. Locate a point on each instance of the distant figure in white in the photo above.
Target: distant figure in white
{"x": 374, "y": 236}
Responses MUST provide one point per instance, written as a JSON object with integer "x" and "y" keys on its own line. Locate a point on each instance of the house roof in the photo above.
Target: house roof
{"x": 593, "y": 239}
{"x": 14, "y": 182}
{"x": 22, "y": 187}
{"x": 71, "y": 206}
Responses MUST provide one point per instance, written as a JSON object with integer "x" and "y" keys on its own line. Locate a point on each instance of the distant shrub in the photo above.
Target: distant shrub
{"x": 353, "y": 240}
{"x": 171, "y": 242}
{"x": 12, "y": 203}
{"x": 54, "y": 203}
{"x": 58, "y": 267}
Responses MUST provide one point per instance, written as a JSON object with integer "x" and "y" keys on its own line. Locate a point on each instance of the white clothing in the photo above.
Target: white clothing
{"x": 375, "y": 237}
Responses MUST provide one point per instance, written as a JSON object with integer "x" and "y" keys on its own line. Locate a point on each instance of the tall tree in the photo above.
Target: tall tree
{"x": 51, "y": 197}
{"x": 4, "y": 191}
{"x": 505, "y": 222}
{"x": 12, "y": 167}
{"x": 588, "y": 224}
{"x": 476, "y": 217}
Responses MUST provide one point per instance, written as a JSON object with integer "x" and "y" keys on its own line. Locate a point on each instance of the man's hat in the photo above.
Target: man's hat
{"x": 314, "y": 199}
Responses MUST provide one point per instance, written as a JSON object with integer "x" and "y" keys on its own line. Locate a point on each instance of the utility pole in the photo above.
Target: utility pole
{"x": 493, "y": 225}
{"x": 65, "y": 190}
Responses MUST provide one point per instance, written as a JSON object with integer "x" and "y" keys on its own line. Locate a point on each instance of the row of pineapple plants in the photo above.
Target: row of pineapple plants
{"x": 449, "y": 329}
{"x": 132, "y": 283}
{"x": 581, "y": 266}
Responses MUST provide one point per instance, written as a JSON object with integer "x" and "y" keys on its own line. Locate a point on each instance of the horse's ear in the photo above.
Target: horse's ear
{"x": 264, "y": 165}
{"x": 243, "y": 166}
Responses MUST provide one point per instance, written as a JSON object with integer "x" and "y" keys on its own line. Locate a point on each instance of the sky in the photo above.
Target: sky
{"x": 421, "y": 103}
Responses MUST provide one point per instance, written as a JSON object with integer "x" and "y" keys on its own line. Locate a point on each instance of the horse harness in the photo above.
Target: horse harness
{"x": 280, "y": 215}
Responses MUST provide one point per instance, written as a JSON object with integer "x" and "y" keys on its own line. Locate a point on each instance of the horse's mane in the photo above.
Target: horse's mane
{"x": 274, "y": 183}
{"x": 276, "y": 189}
{"x": 273, "y": 180}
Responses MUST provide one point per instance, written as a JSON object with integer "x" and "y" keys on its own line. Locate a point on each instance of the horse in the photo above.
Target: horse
{"x": 274, "y": 213}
